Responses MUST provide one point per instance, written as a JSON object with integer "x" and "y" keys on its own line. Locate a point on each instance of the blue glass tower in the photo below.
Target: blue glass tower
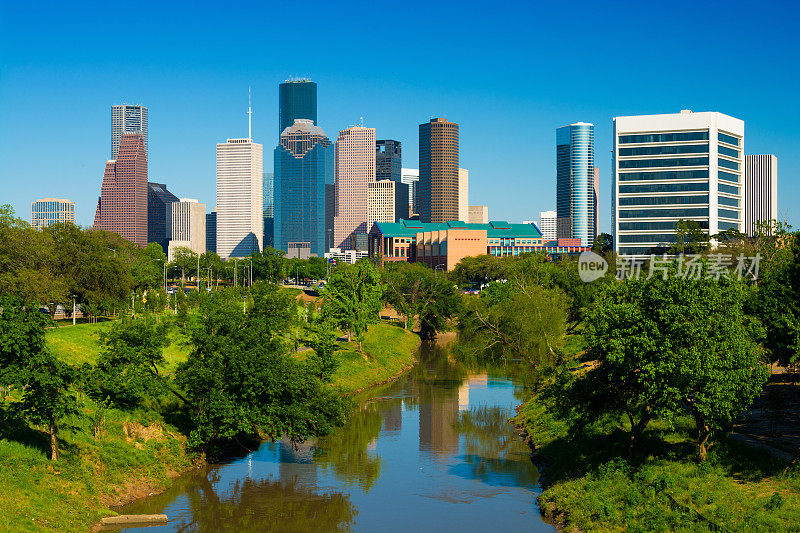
{"x": 575, "y": 188}
{"x": 297, "y": 98}
{"x": 304, "y": 162}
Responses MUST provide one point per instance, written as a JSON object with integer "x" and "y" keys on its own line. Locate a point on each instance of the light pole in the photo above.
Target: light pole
{"x": 133, "y": 309}
{"x": 73, "y": 310}
{"x": 244, "y": 304}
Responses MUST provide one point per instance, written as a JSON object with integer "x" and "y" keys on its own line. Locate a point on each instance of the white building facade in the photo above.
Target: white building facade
{"x": 478, "y": 214}
{"x": 410, "y": 176}
{"x": 463, "y": 194}
{"x": 547, "y": 225}
{"x": 760, "y": 190}
{"x": 380, "y": 203}
{"x": 670, "y": 167}
{"x": 51, "y": 210}
{"x": 240, "y": 198}
{"x": 187, "y": 226}
{"x": 128, "y": 119}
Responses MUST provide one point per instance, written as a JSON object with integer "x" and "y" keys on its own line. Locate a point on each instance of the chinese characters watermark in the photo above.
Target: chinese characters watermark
{"x": 691, "y": 266}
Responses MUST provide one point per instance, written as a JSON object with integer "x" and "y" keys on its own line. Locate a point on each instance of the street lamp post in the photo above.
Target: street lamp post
{"x": 73, "y": 310}
{"x": 133, "y": 308}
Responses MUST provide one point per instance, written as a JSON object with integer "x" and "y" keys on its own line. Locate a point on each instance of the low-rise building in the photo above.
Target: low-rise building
{"x": 443, "y": 245}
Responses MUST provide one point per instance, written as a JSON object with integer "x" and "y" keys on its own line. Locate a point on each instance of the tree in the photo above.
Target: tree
{"x": 670, "y": 346}
{"x": 184, "y": 258}
{"x": 128, "y": 367}
{"x": 691, "y": 239}
{"x": 242, "y": 380}
{"x": 25, "y": 363}
{"x": 269, "y": 265}
{"x": 603, "y": 244}
{"x": 352, "y": 298}
{"x": 480, "y": 270}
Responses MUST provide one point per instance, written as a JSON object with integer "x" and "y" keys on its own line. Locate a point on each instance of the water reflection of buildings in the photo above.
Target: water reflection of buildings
{"x": 474, "y": 381}
{"x": 297, "y": 462}
{"x": 392, "y": 414}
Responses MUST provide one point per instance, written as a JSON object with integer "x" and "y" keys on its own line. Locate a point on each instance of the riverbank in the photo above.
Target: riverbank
{"x": 111, "y": 457}
{"x": 587, "y": 486}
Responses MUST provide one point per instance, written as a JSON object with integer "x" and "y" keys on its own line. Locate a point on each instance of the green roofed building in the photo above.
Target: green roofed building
{"x": 441, "y": 245}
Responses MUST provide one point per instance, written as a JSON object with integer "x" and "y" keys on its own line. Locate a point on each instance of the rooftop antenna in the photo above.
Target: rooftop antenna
{"x": 362, "y": 122}
{"x": 249, "y": 116}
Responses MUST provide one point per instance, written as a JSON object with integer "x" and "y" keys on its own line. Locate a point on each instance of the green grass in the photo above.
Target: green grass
{"x": 390, "y": 350}
{"x": 588, "y": 486}
{"x": 75, "y": 491}
{"x": 80, "y": 344}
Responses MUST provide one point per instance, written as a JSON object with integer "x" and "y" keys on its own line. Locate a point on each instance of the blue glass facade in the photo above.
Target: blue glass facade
{"x": 296, "y": 99}
{"x": 575, "y": 204}
{"x": 303, "y": 166}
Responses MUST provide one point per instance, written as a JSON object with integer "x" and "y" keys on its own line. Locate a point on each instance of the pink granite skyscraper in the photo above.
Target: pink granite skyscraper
{"x": 122, "y": 206}
{"x": 355, "y": 170}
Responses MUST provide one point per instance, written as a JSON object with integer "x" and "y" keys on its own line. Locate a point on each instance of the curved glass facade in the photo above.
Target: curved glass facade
{"x": 575, "y": 174}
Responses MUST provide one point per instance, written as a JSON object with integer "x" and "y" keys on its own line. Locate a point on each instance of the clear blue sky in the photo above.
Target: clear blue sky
{"x": 508, "y": 72}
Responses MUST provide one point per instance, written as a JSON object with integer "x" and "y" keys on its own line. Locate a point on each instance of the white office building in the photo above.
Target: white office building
{"x": 410, "y": 176}
{"x": 478, "y": 214}
{"x": 127, "y": 119}
{"x": 240, "y": 198}
{"x": 670, "y": 167}
{"x": 463, "y": 194}
{"x": 187, "y": 226}
{"x": 547, "y": 225}
{"x": 380, "y": 202}
{"x": 760, "y": 190}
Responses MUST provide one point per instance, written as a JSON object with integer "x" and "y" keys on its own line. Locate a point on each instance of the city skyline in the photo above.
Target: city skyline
{"x": 394, "y": 103}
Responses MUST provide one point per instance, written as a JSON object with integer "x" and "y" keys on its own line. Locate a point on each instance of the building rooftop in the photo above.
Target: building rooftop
{"x": 303, "y": 125}
{"x": 494, "y": 229}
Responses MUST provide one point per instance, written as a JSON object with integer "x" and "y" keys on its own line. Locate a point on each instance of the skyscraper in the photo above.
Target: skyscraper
{"x": 51, "y": 210}
{"x": 297, "y": 98}
{"x": 211, "y": 232}
{"x": 595, "y": 197}
{"x": 463, "y": 194}
{"x": 478, "y": 214}
{"x": 355, "y": 170}
{"x": 381, "y": 202}
{"x": 388, "y": 165}
{"x": 127, "y": 119}
{"x": 438, "y": 171}
{"x": 671, "y": 167}
{"x": 122, "y": 206}
{"x": 269, "y": 209}
{"x": 159, "y": 201}
{"x": 547, "y": 225}
{"x": 240, "y": 198}
{"x": 304, "y": 162}
{"x": 187, "y": 226}
{"x": 575, "y": 182}
{"x": 410, "y": 176}
{"x": 760, "y": 190}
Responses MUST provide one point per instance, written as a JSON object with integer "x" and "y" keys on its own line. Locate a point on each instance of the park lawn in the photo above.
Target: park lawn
{"x": 80, "y": 344}
{"x": 132, "y": 455}
{"x": 390, "y": 350}
{"x": 590, "y": 486}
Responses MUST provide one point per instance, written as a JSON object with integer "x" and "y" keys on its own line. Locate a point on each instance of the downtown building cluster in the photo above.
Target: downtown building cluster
{"x": 352, "y": 197}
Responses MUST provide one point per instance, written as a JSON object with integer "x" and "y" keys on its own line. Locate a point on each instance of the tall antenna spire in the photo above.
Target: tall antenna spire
{"x": 249, "y": 116}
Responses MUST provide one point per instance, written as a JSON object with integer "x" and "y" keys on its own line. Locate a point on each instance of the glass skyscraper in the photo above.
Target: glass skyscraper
{"x": 304, "y": 162}
{"x": 575, "y": 177}
{"x": 297, "y": 98}
{"x": 127, "y": 119}
{"x": 269, "y": 209}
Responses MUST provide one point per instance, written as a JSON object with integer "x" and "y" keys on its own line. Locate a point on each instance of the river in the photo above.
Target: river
{"x": 430, "y": 452}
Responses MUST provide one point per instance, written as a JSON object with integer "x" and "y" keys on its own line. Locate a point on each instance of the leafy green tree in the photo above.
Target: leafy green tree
{"x": 184, "y": 259}
{"x": 691, "y": 238}
{"x": 128, "y": 368}
{"x": 212, "y": 263}
{"x": 352, "y": 298}
{"x": 26, "y": 364}
{"x": 478, "y": 270}
{"x": 242, "y": 379}
{"x": 670, "y": 346}
{"x": 603, "y": 244}
{"x": 269, "y": 265}
{"x": 46, "y": 398}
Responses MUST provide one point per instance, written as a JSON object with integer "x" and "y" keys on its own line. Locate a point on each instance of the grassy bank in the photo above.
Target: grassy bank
{"x": 111, "y": 456}
{"x": 388, "y": 351}
{"x": 108, "y": 457}
{"x": 80, "y": 344}
{"x": 588, "y": 487}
